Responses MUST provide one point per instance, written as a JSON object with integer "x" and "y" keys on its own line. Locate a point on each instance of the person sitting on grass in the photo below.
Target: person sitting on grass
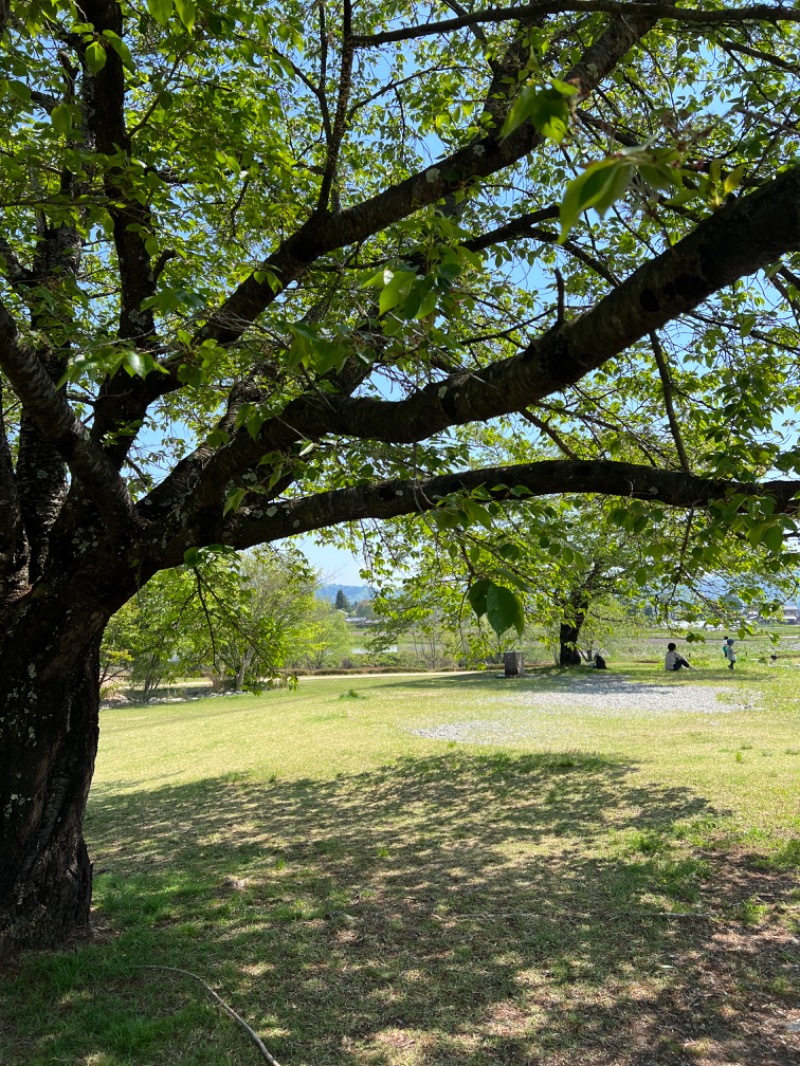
{"x": 673, "y": 661}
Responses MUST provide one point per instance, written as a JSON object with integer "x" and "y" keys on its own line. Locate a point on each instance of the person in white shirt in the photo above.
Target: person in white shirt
{"x": 673, "y": 661}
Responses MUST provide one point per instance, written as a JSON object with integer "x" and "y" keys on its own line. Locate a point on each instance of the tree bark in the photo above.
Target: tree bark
{"x": 48, "y": 736}
{"x": 570, "y": 630}
{"x": 568, "y": 639}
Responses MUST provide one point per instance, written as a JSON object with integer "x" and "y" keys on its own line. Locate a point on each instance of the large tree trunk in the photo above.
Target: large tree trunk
{"x": 570, "y": 629}
{"x": 568, "y": 643}
{"x": 49, "y": 694}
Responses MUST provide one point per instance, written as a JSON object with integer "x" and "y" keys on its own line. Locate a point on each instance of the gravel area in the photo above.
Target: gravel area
{"x": 522, "y": 713}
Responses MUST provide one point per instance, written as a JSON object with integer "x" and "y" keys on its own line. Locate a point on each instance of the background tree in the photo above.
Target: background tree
{"x": 259, "y": 261}
{"x": 322, "y": 639}
{"x": 158, "y": 624}
{"x": 253, "y": 609}
{"x": 570, "y": 561}
{"x": 427, "y": 617}
{"x": 236, "y": 618}
{"x": 342, "y": 603}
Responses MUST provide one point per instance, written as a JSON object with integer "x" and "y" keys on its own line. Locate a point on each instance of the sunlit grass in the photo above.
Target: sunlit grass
{"x": 364, "y": 894}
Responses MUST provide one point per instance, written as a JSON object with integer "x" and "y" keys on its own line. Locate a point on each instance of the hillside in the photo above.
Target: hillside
{"x": 354, "y": 593}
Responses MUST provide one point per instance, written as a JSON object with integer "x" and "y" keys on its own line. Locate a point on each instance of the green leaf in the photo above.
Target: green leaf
{"x": 773, "y": 539}
{"x": 61, "y": 118}
{"x": 474, "y": 512}
{"x": 377, "y": 280}
{"x": 255, "y": 422}
{"x": 261, "y": 276}
{"x": 598, "y": 186}
{"x": 186, "y": 12}
{"x": 95, "y": 57}
{"x": 734, "y": 179}
{"x": 513, "y": 579}
{"x": 120, "y": 48}
{"x": 218, "y": 437}
{"x": 548, "y": 109}
{"x": 448, "y": 519}
{"x": 160, "y": 10}
{"x": 20, "y": 90}
{"x": 396, "y": 290}
{"x": 233, "y": 500}
{"x": 427, "y": 306}
{"x": 504, "y": 610}
{"x": 140, "y": 364}
{"x": 511, "y": 551}
{"x": 639, "y": 524}
{"x": 477, "y": 595}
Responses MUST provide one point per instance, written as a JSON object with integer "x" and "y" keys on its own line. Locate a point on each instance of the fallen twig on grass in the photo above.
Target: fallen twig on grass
{"x": 697, "y": 916}
{"x": 228, "y": 1010}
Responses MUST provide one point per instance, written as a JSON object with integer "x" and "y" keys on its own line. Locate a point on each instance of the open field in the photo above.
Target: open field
{"x": 397, "y": 871}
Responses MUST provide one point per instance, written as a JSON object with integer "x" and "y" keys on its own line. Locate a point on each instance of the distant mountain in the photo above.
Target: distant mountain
{"x": 354, "y": 593}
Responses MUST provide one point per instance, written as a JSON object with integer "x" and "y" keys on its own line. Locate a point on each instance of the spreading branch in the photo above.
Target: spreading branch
{"x": 735, "y": 241}
{"x": 620, "y": 8}
{"x": 53, "y": 415}
{"x": 669, "y": 406}
{"x": 482, "y": 158}
{"x": 391, "y": 499}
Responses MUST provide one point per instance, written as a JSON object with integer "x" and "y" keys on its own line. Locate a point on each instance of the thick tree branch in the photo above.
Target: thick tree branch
{"x": 391, "y": 499}
{"x": 621, "y": 8}
{"x": 104, "y": 93}
{"x": 104, "y": 101}
{"x": 55, "y": 419}
{"x": 735, "y": 241}
{"x": 124, "y": 401}
{"x": 483, "y": 157}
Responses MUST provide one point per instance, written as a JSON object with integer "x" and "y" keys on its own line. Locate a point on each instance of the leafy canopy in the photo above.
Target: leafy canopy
{"x": 300, "y": 247}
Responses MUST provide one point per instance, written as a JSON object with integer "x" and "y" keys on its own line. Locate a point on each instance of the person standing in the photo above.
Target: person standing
{"x": 729, "y": 653}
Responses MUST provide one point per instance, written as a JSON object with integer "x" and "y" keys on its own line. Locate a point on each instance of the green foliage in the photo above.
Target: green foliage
{"x": 230, "y": 119}
{"x": 549, "y": 110}
{"x": 321, "y": 639}
{"x": 584, "y": 572}
{"x": 236, "y": 618}
{"x": 502, "y": 608}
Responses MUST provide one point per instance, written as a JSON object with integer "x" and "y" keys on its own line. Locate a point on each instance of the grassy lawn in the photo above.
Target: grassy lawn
{"x": 396, "y": 871}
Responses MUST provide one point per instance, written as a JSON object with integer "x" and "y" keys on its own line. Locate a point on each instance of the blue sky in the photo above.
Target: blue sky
{"x": 337, "y": 566}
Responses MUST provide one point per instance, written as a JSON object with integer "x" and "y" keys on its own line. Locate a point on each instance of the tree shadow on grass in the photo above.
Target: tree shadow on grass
{"x": 581, "y": 679}
{"x": 459, "y": 908}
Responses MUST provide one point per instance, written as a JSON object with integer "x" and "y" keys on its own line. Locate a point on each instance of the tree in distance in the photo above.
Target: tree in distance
{"x": 341, "y": 603}
{"x": 235, "y": 618}
{"x": 578, "y": 569}
{"x": 261, "y": 262}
